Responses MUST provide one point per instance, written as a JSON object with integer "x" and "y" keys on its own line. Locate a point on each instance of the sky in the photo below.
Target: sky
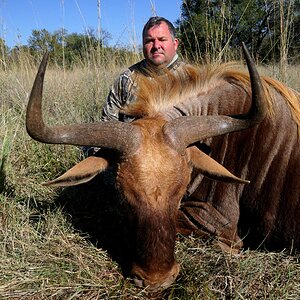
{"x": 122, "y": 19}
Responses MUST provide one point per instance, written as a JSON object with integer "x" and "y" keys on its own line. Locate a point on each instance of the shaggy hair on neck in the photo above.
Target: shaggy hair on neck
{"x": 158, "y": 93}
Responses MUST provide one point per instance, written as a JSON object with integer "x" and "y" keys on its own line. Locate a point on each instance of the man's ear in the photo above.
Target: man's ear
{"x": 83, "y": 172}
{"x": 176, "y": 43}
{"x": 211, "y": 168}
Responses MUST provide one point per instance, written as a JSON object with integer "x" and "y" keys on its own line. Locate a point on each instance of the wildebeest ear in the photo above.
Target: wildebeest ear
{"x": 83, "y": 172}
{"x": 211, "y": 168}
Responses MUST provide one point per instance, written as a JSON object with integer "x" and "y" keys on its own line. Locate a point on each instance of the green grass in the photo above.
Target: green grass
{"x": 45, "y": 255}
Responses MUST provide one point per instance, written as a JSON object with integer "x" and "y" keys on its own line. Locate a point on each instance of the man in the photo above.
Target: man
{"x": 160, "y": 51}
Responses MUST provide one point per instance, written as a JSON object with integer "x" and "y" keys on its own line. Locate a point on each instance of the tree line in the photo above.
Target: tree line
{"x": 215, "y": 29}
{"x": 209, "y": 31}
{"x": 64, "y": 48}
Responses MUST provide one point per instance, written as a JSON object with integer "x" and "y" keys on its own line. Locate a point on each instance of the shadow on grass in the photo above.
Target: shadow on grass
{"x": 95, "y": 210}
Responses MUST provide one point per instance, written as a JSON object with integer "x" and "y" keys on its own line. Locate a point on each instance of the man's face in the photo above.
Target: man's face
{"x": 159, "y": 47}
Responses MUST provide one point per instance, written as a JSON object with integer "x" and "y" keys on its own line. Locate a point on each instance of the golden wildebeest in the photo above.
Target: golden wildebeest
{"x": 248, "y": 125}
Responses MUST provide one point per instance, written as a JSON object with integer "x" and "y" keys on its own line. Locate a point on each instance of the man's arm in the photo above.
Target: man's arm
{"x": 119, "y": 95}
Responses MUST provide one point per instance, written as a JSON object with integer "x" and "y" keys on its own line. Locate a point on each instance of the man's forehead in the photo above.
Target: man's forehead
{"x": 161, "y": 29}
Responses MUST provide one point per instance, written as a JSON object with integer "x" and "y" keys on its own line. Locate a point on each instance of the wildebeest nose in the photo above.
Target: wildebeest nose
{"x": 160, "y": 282}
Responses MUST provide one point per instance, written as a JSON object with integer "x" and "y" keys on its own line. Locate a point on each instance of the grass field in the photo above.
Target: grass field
{"x": 52, "y": 245}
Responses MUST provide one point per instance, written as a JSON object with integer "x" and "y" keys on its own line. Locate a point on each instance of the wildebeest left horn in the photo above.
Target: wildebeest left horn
{"x": 120, "y": 136}
{"x": 187, "y": 130}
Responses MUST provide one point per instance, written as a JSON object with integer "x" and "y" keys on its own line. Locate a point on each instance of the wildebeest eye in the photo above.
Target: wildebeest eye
{"x": 127, "y": 118}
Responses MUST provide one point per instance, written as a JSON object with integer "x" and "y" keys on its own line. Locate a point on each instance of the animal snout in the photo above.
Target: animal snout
{"x": 156, "y": 280}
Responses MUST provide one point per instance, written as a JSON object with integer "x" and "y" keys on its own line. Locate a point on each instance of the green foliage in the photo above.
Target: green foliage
{"x": 65, "y": 49}
{"x": 42, "y": 40}
{"x": 214, "y": 29}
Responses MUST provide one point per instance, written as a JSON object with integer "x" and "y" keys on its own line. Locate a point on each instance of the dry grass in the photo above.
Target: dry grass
{"x": 43, "y": 253}
{"x": 291, "y": 77}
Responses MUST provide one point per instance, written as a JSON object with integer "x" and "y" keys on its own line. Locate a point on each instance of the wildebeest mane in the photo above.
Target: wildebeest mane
{"x": 158, "y": 94}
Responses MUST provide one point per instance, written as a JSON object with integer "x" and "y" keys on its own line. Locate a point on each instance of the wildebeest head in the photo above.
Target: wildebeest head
{"x": 154, "y": 165}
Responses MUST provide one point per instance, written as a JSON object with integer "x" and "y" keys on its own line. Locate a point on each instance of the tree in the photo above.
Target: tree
{"x": 42, "y": 40}
{"x": 64, "y": 47}
{"x": 216, "y": 28}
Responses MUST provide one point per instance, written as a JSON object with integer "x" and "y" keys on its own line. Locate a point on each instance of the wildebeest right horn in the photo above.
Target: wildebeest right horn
{"x": 187, "y": 130}
{"x": 117, "y": 135}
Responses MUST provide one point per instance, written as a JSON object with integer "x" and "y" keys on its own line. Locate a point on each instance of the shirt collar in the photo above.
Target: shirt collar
{"x": 173, "y": 60}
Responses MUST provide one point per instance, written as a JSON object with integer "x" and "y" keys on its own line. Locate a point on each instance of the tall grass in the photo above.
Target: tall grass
{"x": 44, "y": 255}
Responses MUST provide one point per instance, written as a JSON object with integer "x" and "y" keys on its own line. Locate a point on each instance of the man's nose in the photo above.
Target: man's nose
{"x": 156, "y": 44}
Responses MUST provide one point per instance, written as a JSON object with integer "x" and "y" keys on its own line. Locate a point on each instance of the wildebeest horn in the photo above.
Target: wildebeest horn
{"x": 187, "y": 130}
{"x": 120, "y": 136}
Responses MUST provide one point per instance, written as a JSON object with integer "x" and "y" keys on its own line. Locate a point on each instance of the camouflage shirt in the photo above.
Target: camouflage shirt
{"x": 122, "y": 91}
